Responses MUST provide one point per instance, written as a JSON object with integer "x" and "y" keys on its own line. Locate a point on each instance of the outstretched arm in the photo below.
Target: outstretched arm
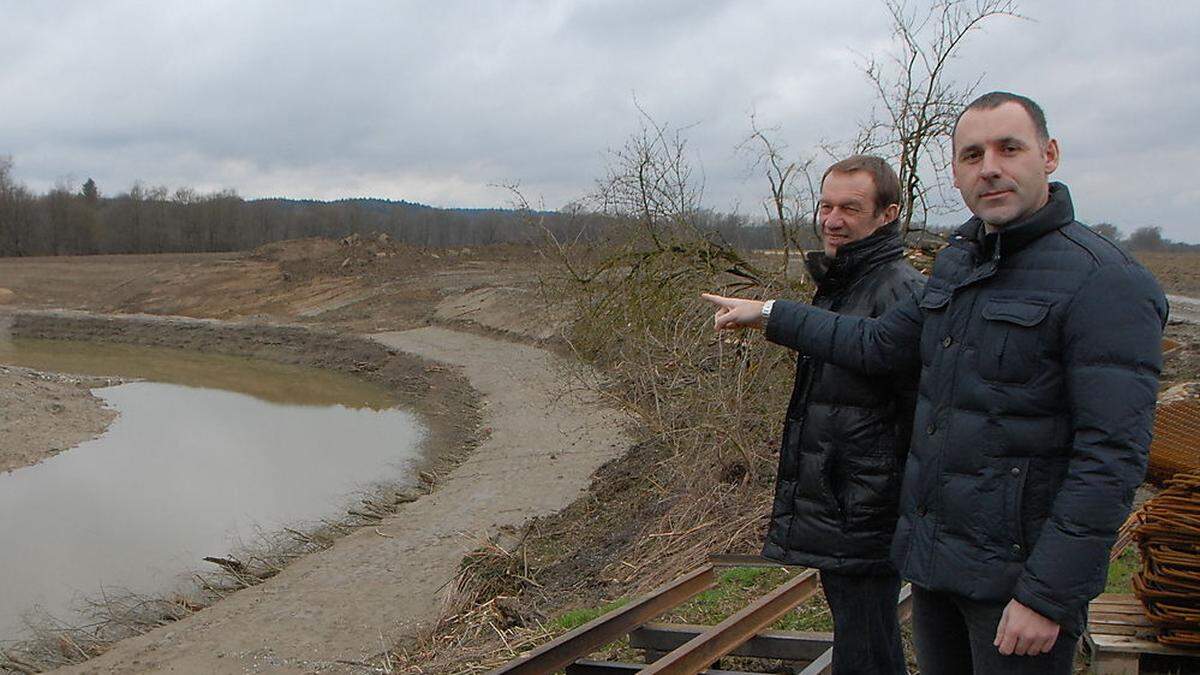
{"x": 881, "y": 345}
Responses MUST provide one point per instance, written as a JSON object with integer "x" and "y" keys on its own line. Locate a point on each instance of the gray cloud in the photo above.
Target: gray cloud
{"x": 435, "y": 102}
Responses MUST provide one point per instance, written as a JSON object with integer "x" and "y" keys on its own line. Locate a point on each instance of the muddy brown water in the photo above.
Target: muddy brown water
{"x": 203, "y": 459}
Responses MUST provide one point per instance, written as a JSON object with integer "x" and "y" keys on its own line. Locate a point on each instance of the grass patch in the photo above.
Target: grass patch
{"x": 739, "y": 586}
{"x": 1121, "y": 570}
{"x": 577, "y": 617}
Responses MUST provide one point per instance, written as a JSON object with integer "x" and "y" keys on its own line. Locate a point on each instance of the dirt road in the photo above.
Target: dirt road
{"x": 377, "y": 585}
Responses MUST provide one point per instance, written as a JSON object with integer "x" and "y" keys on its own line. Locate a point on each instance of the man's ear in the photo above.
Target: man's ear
{"x": 1051, "y": 156}
{"x": 891, "y": 213}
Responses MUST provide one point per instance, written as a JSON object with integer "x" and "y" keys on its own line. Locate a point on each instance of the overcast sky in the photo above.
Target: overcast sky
{"x": 436, "y": 102}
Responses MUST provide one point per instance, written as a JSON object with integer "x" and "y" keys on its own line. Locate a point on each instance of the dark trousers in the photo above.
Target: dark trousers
{"x": 866, "y": 632}
{"x": 954, "y": 636}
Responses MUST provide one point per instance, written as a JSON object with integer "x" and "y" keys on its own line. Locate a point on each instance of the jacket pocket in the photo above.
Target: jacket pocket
{"x": 933, "y": 305}
{"x": 1017, "y": 469}
{"x": 1010, "y": 346}
{"x": 814, "y": 482}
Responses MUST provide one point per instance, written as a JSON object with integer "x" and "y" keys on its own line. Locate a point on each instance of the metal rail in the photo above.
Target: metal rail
{"x": 781, "y": 644}
{"x": 701, "y": 651}
{"x": 690, "y": 649}
{"x": 585, "y": 667}
{"x": 559, "y": 653}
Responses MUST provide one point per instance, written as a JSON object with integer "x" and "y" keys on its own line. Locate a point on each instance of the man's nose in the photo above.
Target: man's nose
{"x": 990, "y": 165}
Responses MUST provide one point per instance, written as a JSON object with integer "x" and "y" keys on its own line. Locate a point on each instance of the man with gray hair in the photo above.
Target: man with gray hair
{"x": 1039, "y": 344}
{"x": 846, "y": 433}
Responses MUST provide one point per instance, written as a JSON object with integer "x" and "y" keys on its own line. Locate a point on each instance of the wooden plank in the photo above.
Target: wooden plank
{"x": 586, "y": 667}
{"x": 1137, "y": 619}
{"x": 699, "y": 652}
{"x": 1117, "y": 629}
{"x": 578, "y": 643}
{"x": 1115, "y": 664}
{"x": 783, "y": 644}
{"x": 1135, "y": 645}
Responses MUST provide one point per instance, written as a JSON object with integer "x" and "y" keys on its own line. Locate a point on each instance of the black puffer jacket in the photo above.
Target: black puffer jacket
{"x": 846, "y": 434}
{"x": 1040, "y": 349}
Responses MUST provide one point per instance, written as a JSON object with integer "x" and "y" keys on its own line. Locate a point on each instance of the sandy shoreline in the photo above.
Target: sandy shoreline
{"x": 43, "y": 414}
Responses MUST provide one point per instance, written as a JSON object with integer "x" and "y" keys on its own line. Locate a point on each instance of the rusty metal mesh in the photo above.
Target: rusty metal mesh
{"x": 1168, "y": 536}
{"x": 1176, "y": 445}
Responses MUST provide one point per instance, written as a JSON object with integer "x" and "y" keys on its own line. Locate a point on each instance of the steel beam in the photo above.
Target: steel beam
{"x": 782, "y": 644}
{"x": 559, "y": 653}
{"x": 701, "y": 651}
{"x": 584, "y": 667}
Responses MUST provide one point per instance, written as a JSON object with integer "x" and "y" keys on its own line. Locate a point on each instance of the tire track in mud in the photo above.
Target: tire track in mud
{"x": 548, "y": 435}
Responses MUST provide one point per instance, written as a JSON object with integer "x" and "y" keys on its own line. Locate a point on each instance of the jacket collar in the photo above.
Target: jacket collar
{"x": 1011, "y": 238}
{"x": 856, "y": 258}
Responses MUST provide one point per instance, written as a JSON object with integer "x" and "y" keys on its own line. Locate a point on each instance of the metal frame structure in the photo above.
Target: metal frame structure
{"x": 683, "y": 649}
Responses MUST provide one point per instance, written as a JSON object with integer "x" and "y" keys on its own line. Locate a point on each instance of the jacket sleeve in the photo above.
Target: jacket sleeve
{"x": 1112, "y": 357}
{"x": 876, "y": 346}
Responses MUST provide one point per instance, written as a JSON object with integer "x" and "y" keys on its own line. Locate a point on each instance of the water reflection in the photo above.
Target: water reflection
{"x": 184, "y": 472}
{"x": 262, "y": 379}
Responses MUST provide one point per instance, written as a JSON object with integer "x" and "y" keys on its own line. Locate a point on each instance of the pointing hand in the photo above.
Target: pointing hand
{"x": 735, "y": 313}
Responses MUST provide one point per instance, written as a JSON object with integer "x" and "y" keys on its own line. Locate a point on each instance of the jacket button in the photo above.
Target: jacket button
{"x": 1016, "y": 471}
{"x": 931, "y": 429}
{"x": 947, "y": 341}
{"x": 1016, "y": 548}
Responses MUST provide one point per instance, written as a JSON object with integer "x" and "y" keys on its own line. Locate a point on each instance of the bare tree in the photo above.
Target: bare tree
{"x": 649, "y": 181}
{"x": 918, "y": 102}
{"x": 793, "y": 194}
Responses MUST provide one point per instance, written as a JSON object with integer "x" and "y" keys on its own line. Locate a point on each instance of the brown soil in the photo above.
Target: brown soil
{"x": 42, "y": 414}
{"x": 1179, "y": 273}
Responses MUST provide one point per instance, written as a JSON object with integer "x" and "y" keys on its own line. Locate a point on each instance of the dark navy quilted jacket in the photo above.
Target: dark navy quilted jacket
{"x": 1040, "y": 352}
{"x": 846, "y": 433}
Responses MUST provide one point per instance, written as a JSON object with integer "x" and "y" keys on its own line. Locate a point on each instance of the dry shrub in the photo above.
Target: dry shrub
{"x": 484, "y": 621}
{"x": 714, "y": 401}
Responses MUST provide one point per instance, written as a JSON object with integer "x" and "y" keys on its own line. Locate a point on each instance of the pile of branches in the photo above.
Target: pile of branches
{"x": 1168, "y": 537}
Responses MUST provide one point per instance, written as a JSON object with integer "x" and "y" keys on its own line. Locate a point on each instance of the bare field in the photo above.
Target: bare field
{"x": 1179, "y": 273}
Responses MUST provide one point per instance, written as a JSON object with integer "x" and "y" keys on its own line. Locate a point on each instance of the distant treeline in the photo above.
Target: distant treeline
{"x": 1144, "y": 239}
{"x": 68, "y": 221}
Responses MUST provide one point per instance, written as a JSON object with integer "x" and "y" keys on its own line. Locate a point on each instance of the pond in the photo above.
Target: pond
{"x": 199, "y": 461}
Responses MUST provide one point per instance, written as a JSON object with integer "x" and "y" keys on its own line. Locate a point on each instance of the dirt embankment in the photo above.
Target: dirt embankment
{"x": 42, "y": 414}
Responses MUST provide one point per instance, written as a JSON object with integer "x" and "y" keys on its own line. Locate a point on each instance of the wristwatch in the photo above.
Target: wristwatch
{"x": 766, "y": 310}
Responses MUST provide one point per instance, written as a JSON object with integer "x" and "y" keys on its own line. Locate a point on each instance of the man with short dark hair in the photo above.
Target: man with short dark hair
{"x": 846, "y": 433}
{"x": 1039, "y": 343}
